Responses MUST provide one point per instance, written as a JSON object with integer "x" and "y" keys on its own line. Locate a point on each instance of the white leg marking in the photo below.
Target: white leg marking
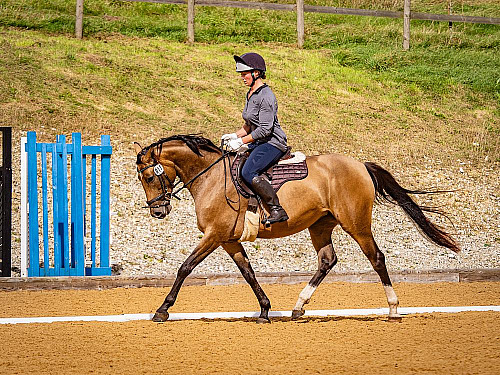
{"x": 304, "y": 297}
{"x": 392, "y": 300}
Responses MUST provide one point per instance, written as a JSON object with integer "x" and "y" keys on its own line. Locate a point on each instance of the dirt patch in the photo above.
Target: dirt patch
{"x": 240, "y": 298}
{"x": 437, "y": 343}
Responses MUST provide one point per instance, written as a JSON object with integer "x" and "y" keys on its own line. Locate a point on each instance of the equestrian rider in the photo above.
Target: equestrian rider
{"x": 261, "y": 132}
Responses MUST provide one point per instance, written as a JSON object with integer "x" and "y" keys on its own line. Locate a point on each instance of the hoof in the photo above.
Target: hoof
{"x": 263, "y": 321}
{"x": 296, "y": 314}
{"x": 395, "y": 319}
{"x": 160, "y": 317}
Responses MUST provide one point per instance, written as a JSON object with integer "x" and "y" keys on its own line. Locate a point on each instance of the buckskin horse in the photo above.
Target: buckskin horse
{"x": 338, "y": 190}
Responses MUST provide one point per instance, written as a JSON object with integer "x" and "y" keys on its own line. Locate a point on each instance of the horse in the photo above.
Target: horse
{"x": 338, "y": 190}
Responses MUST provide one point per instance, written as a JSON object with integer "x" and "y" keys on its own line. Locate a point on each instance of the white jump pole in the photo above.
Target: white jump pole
{"x": 24, "y": 208}
{"x": 249, "y": 314}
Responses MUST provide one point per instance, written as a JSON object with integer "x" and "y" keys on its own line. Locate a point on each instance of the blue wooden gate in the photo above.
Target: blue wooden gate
{"x": 69, "y": 254}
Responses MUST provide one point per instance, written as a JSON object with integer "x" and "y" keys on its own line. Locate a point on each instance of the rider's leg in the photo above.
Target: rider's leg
{"x": 264, "y": 189}
{"x": 260, "y": 159}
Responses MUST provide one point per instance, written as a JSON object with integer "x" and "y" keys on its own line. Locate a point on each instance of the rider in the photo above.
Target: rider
{"x": 261, "y": 131}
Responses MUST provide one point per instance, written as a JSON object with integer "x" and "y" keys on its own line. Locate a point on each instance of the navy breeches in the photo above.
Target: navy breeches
{"x": 260, "y": 159}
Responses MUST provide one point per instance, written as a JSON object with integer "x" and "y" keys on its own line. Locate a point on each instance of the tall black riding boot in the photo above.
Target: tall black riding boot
{"x": 264, "y": 189}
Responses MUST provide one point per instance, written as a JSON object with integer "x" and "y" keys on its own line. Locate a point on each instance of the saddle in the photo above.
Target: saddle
{"x": 287, "y": 169}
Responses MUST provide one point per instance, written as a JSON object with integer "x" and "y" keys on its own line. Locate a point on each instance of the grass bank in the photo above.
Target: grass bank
{"x": 351, "y": 90}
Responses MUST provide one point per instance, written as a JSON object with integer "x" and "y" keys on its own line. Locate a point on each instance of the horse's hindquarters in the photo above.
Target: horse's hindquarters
{"x": 335, "y": 185}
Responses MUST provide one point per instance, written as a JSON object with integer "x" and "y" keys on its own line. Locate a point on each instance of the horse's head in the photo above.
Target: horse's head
{"x": 157, "y": 179}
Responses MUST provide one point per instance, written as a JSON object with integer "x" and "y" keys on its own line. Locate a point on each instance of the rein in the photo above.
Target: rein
{"x": 224, "y": 155}
{"x": 160, "y": 172}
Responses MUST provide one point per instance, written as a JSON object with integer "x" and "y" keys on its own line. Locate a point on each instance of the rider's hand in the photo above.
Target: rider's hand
{"x": 235, "y": 144}
{"x": 228, "y": 137}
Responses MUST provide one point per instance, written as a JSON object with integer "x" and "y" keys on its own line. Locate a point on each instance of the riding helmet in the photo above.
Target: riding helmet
{"x": 250, "y": 61}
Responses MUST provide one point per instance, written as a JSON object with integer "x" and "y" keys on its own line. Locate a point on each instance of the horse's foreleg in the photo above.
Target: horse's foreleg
{"x": 195, "y": 258}
{"x": 321, "y": 233}
{"x": 377, "y": 259}
{"x": 238, "y": 254}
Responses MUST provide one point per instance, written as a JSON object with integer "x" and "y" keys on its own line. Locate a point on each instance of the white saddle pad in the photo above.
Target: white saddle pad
{"x": 297, "y": 157}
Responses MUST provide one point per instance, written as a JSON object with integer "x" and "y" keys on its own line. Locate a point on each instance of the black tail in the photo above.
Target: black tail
{"x": 388, "y": 189}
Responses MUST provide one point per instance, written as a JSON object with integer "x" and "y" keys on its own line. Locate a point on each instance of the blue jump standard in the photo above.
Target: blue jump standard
{"x": 68, "y": 256}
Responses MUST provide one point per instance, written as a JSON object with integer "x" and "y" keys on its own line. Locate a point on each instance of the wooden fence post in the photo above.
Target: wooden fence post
{"x": 79, "y": 19}
{"x": 190, "y": 25}
{"x": 6, "y": 202}
{"x": 450, "y": 24}
{"x": 406, "y": 25}
{"x": 300, "y": 23}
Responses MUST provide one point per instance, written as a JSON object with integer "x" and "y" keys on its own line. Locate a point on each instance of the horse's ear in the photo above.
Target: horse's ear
{"x": 137, "y": 147}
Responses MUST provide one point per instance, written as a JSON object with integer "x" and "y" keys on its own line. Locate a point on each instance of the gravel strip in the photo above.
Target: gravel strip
{"x": 142, "y": 245}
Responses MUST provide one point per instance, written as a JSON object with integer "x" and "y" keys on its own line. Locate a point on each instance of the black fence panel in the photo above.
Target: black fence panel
{"x": 6, "y": 202}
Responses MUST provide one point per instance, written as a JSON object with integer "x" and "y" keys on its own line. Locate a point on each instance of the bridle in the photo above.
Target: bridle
{"x": 159, "y": 171}
{"x": 165, "y": 194}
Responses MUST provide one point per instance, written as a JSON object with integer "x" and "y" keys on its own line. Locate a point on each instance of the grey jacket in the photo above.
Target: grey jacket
{"x": 261, "y": 115}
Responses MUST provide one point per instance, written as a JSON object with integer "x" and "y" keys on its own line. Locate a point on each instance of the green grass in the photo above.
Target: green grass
{"x": 366, "y": 42}
{"x": 351, "y": 89}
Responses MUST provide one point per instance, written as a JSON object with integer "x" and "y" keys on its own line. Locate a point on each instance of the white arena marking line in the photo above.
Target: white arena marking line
{"x": 248, "y": 314}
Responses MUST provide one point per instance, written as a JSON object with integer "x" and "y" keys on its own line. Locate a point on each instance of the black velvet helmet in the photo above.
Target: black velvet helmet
{"x": 250, "y": 61}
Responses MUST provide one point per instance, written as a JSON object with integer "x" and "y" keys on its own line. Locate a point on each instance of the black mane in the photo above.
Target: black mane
{"x": 194, "y": 141}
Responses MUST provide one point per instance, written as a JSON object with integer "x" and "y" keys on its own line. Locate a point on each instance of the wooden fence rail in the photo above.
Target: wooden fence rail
{"x": 300, "y": 8}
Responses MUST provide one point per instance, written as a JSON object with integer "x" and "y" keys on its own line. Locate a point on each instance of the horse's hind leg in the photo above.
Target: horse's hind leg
{"x": 377, "y": 259}
{"x": 238, "y": 254}
{"x": 321, "y": 236}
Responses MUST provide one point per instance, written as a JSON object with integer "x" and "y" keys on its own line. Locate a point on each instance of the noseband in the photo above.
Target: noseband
{"x": 165, "y": 194}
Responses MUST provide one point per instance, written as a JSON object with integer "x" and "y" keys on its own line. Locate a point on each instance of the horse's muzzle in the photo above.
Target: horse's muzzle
{"x": 160, "y": 211}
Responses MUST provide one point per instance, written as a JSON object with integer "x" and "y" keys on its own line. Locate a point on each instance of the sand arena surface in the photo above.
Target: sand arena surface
{"x": 463, "y": 343}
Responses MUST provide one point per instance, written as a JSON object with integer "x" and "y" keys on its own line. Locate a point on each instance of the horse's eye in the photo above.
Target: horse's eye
{"x": 150, "y": 179}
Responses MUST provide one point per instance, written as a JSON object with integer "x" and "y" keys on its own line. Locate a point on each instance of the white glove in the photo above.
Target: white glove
{"x": 235, "y": 144}
{"x": 228, "y": 137}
